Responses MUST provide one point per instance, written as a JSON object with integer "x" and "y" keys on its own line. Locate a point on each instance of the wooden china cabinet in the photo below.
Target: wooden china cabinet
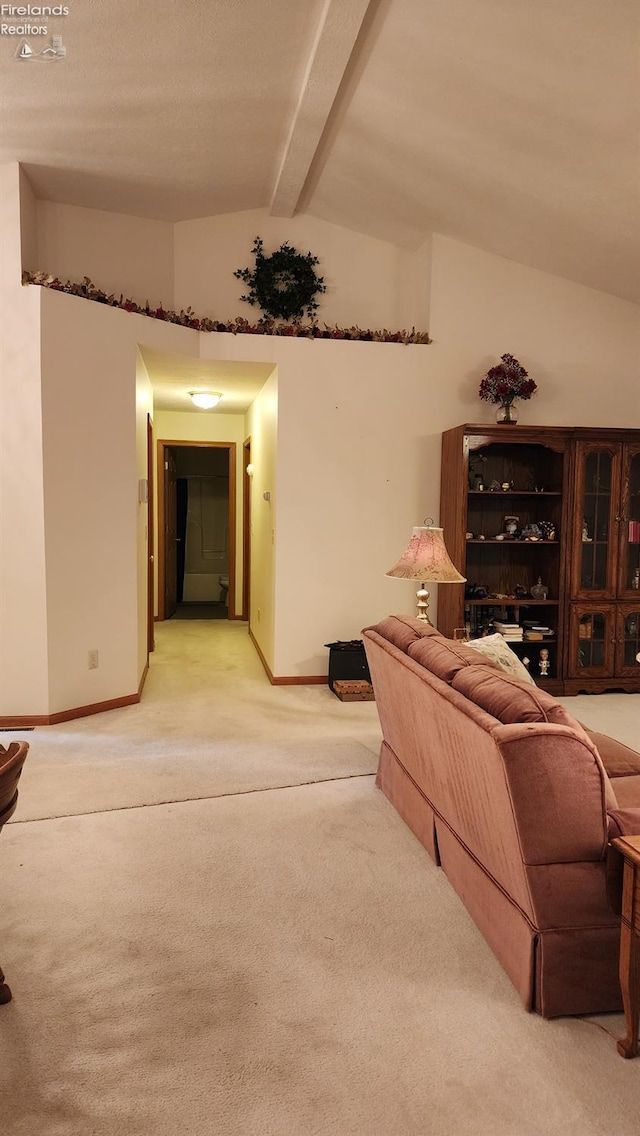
{"x": 544, "y": 522}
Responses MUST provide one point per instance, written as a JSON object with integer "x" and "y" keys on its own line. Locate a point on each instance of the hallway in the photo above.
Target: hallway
{"x": 209, "y": 723}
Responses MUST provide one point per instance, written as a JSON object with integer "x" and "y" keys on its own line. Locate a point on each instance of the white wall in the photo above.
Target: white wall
{"x": 262, "y": 428}
{"x": 144, "y": 408}
{"x": 582, "y": 347}
{"x": 91, "y": 510}
{"x": 200, "y": 426}
{"x": 370, "y": 283}
{"x": 23, "y": 627}
{"x": 132, "y": 255}
{"x": 28, "y": 225}
{"x": 92, "y": 514}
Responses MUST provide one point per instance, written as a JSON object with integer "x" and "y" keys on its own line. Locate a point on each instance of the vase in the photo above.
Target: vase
{"x": 506, "y": 412}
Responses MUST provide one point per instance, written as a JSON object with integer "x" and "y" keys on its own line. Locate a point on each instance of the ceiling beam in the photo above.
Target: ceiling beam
{"x": 337, "y": 33}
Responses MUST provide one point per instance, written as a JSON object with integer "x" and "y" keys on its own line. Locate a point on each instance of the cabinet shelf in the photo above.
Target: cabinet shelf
{"x": 505, "y": 543}
{"x": 491, "y": 601}
{"x": 498, "y": 494}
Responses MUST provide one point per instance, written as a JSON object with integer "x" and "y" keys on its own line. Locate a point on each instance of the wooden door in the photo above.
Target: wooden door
{"x": 170, "y": 534}
{"x": 628, "y": 640}
{"x": 629, "y": 524}
{"x": 592, "y": 640}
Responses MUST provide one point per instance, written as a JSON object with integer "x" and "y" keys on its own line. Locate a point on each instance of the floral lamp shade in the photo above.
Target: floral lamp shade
{"x": 426, "y": 559}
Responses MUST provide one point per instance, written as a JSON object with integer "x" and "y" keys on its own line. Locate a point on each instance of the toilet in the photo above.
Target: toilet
{"x": 223, "y": 581}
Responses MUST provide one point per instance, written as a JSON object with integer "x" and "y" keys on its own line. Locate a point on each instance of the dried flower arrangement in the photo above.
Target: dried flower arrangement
{"x": 239, "y": 326}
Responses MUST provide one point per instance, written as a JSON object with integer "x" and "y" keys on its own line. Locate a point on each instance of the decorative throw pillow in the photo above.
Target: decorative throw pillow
{"x": 495, "y": 648}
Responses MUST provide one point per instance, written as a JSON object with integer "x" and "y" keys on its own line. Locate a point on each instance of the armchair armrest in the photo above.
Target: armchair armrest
{"x": 622, "y": 822}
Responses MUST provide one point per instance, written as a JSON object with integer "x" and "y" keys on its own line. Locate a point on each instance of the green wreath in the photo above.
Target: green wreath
{"x": 285, "y": 284}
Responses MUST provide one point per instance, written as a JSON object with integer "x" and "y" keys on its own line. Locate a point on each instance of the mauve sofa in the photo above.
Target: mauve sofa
{"x": 516, "y": 801}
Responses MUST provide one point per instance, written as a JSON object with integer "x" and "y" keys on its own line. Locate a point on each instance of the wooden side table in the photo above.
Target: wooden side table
{"x": 629, "y": 847}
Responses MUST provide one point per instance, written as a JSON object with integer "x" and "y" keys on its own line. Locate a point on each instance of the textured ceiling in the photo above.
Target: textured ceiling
{"x": 507, "y": 124}
{"x": 173, "y": 376}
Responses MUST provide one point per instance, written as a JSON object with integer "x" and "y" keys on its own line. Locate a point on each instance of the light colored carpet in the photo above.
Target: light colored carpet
{"x": 281, "y": 962}
{"x": 615, "y": 714}
{"x": 284, "y": 962}
{"x": 209, "y": 724}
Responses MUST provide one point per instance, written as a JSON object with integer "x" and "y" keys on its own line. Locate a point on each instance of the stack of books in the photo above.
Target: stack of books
{"x": 512, "y": 632}
{"x": 535, "y": 632}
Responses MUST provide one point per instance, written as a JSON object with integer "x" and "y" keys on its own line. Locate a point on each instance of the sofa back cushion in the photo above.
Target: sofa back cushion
{"x": 402, "y": 630}
{"x": 509, "y": 700}
{"x": 444, "y": 657}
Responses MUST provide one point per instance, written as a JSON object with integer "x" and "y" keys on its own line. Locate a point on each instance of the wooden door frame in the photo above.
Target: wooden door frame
{"x": 246, "y": 530}
{"x": 164, "y": 444}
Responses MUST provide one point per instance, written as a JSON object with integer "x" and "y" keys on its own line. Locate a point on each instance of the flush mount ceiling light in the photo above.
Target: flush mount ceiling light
{"x": 206, "y": 400}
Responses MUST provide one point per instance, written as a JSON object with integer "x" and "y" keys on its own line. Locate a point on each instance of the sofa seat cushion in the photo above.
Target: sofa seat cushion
{"x": 444, "y": 657}
{"x": 618, "y": 759}
{"x": 402, "y": 630}
{"x": 496, "y": 649}
{"x": 627, "y": 791}
{"x": 509, "y": 700}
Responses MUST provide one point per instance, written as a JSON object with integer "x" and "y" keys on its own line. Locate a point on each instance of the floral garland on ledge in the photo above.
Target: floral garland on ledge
{"x": 239, "y": 326}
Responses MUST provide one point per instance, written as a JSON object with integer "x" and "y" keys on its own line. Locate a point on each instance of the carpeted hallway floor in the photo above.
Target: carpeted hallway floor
{"x": 214, "y": 924}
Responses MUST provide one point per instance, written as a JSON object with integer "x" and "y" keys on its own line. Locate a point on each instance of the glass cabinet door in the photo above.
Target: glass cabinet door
{"x": 592, "y": 640}
{"x": 628, "y": 640}
{"x": 596, "y": 526}
{"x": 629, "y": 521}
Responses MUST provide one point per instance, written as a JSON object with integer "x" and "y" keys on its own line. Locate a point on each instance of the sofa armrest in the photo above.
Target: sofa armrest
{"x": 622, "y": 822}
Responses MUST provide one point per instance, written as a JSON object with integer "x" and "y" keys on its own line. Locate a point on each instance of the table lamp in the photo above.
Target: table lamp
{"x": 426, "y": 559}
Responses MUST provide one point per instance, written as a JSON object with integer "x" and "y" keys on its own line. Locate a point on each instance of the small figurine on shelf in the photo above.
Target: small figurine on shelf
{"x": 539, "y": 591}
{"x": 635, "y": 580}
{"x": 548, "y": 530}
{"x": 585, "y": 533}
{"x": 532, "y": 532}
{"x": 511, "y": 526}
{"x": 544, "y": 661}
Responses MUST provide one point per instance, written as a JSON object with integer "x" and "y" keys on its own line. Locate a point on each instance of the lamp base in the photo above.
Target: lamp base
{"x": 422, "y": 597}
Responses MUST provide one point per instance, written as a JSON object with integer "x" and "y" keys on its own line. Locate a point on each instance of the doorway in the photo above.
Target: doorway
{"x": 196, "y": 530}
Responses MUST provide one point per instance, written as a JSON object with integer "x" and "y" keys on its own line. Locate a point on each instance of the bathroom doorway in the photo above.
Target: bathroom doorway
{"x": 196, "y": 530}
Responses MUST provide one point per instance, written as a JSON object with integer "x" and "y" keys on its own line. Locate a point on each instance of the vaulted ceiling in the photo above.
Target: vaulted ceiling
{"x": 511, "y": 125}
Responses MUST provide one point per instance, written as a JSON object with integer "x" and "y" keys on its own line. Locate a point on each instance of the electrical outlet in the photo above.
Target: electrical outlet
{"x": 92, "y": 660}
